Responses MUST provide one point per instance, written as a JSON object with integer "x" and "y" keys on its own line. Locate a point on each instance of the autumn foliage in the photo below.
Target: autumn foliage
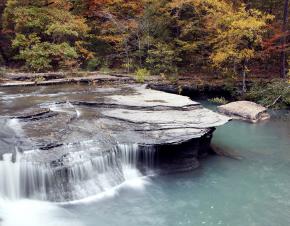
{"x": 164, "y": 37}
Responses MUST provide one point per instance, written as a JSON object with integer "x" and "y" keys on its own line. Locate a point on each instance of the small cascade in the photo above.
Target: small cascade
{"x": 149, "y": 157}
{"x": 9, "y": 177}
{"x": 66, "y": 107}
{"x": 15, "y": 126}
{"x": 20, "y": 179}
{"x": 129, "y": 154}
{"x": 11, "y": 135}
{"x": 77, "y": 175}
{"x": 78, "y": 112}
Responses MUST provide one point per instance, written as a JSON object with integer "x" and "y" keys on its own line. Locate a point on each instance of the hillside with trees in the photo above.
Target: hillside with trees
{"x": 168, "y": 37}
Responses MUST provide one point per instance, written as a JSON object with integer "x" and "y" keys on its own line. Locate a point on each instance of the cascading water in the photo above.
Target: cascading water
{"x": 77, "y": 175}
{"x": 9, "y": 177}
{"x": 40, "y": 178}
{"x": 66, "y": 107}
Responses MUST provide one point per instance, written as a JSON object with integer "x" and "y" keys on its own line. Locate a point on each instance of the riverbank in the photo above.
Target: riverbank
{"x": 54, "y": 78}
{"x": 192, "y": 85}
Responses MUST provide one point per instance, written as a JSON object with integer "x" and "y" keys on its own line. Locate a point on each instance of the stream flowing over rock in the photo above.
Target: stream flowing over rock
{"x": 66, "y": 143}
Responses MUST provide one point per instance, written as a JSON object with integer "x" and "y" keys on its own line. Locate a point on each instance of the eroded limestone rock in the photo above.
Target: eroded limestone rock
{"x": 56, "y": 122}
{"x": 245, "y": 110}
{"x": 89, "y": 138}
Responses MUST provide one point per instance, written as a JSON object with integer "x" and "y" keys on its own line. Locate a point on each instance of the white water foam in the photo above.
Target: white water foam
{"x": 35, "y": 213}
{"x": 35, "y": 94}
{"x": 78, "y": 177}
{"x": 66, "y": 107}
{"x": 15, "y": 126}
{"x": 137, "y": 184}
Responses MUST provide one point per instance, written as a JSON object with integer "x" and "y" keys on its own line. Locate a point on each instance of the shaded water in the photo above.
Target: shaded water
{"x": 252, "y": 191}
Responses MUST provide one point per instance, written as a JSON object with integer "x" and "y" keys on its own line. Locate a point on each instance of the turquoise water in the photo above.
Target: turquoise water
{"x": 253, "y": 190}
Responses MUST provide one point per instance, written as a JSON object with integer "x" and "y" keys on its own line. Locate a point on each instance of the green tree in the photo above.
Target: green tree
{"x": 191, "y": 34}
{"x": 47, "y": 36}
{"x": 162, "y": 59}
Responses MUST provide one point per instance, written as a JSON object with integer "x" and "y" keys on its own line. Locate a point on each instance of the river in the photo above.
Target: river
{"x": 250, "y": 190}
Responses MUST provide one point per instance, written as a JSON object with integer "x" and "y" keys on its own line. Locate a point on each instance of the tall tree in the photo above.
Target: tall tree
{"x": 3, "y": 40}
{"x": 285, "y": 32}
{"x": 112, "y": 22}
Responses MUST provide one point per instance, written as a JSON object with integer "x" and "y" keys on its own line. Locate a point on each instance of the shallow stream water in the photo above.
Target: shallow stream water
{"x": 252, "y": 189}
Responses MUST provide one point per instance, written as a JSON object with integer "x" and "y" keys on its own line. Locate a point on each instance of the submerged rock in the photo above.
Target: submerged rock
{"x": 245, "y": 110}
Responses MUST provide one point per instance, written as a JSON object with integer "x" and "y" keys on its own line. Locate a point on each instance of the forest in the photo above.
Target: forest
{"x": 163, "y": 37}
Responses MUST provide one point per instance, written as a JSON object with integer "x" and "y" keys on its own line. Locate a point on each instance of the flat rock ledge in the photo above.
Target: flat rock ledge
{"x": 163, "y": 118}
{"x": 133, "y": 114}
{"x": 245, "y": 110}
{"x": 76, "y": 137}
{"x": 96, "y": 120}
{"x": 45, "y": 79}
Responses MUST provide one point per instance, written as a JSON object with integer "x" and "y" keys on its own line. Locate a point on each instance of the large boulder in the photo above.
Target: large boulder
{"x": 245, "y": 110}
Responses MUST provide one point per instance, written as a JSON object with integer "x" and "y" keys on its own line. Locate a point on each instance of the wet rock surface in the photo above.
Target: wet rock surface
{"x": 129, "y": 114}
{"x": 69, "y": 142}
{"x": 65, "y": 131}
{"x": 245, "y": 110}
{"x": 34, "y": 114}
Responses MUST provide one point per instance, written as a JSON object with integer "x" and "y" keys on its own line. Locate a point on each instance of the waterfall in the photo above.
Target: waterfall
{"x": 77, "y": 175}
{"x": 9, "y": 177}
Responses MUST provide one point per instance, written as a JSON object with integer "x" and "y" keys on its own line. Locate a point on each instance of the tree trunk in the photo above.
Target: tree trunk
{"x": 4, "y": 57}
{"x": 244, "y": 74}
{"x": 283, "y": 60}
{"x": 244, "y": 81}
{"x": 127, "y": 56}
{"x": 128, "y": 60}
{"x": 235, "y": 68}
{"x": 139, "y": 49}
